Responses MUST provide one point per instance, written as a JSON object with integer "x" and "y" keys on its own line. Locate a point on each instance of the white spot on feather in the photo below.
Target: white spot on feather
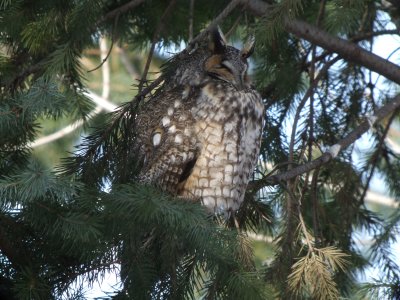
{"x": 177, "y": 103}
{"x": 165, "y": 121}
{"x": 185, "y": 92}
{"x": 184, "y": 156}
{"x": 156, "y": 139}
{"x": 172, "y": 129}
{"x": 178, "y": 139}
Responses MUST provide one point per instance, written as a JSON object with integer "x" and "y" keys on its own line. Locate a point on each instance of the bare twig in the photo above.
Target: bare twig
{"x": 314, "y": 178}
{"x": 105, "y": 57}
{"x": 127, "y": 64}
{"x": 102, "y": 104}
{"x": 333, "y": 151}
{"x": 227, "y": 10}
{"x": 368, "y": 35}
{"x": 191, "y": 9}
{"x": 376, "y": 154}
{"x": 146, "y": 67}
{"x": 148, "y": 89}
{"x": 120, "y": 10}
{"x": 303, "y": 102}
{"x": 312, "y": 79}
{"x": 235, "y": 24}
{"x": 304, "y": 230}
{"x": 315, "y": 205}
{"x": 376, "y": 198}
{"x": 156, "y": 34}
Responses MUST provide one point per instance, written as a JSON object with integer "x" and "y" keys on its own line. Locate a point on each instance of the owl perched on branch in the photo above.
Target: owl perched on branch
{"x": 199, "y": 136}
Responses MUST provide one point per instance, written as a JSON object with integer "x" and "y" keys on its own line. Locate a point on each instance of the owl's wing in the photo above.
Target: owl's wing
{"x": 167, "y": 143}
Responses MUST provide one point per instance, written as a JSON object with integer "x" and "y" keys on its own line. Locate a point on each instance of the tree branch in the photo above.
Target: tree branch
{"x": 344, "y": 48}
{"x": 333, "y": 151}
{"x": 347, "y": 50}
{"x": 102, "y": 102}
{"x": 10, "y": 246}
{"x": 368, "y": 35}
{"x": 120, "y": 10}
{"x": 375, "y": 156}
{"x": 227, "y": 10}
{"x": 191, "y": 9}
{"x": 160, "y": 26}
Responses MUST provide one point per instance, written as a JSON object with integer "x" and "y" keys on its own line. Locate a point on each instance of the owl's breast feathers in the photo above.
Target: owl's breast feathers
{"x": 228, "y": 127}
{"x": 202, "y": 142}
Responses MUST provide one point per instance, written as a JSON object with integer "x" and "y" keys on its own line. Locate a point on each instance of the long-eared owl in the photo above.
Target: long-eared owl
{"x": 200, "y": 135}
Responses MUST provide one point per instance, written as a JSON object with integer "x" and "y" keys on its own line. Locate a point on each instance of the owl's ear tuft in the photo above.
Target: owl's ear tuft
{"x": 248, "y": 47}
{"x": 217, "y": 42}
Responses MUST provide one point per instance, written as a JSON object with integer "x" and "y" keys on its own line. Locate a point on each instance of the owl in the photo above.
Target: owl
{"x": 199, "y": 135}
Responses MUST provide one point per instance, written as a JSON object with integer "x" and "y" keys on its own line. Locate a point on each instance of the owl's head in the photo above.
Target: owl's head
{"x": 211, "y": 59}
{"x": 227, "y": 63}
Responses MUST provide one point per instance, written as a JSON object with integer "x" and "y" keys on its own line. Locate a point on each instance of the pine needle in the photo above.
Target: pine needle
{"x": 313, "y": 274}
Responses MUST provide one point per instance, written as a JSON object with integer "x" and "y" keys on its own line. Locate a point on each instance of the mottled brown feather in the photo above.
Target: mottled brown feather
{"x": 200, "y": 136}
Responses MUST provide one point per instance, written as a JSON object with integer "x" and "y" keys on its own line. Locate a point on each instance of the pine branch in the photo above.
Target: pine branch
{"x": 317, "y": 36}
{"x": 347, "y": 50}
{"x": 102, "y": 102}
{"x": 333, "y": 151}
{"x": 21, "y": 77}
{"x": 63, "y": 131}
{"x": 314, "y": 273}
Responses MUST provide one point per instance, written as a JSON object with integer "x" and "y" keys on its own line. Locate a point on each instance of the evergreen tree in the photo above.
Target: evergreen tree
{"x": 73, "y": 222}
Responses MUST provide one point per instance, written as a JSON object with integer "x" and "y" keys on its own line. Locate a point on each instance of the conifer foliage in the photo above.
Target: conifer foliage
{"x": 64, "y": 227}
